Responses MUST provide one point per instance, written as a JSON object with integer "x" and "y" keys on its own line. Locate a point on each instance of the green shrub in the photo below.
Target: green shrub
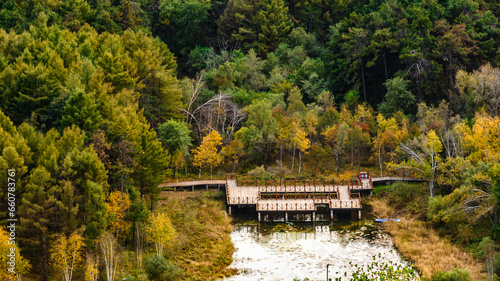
{"x": 260, "y": 173}
{"x": 159, "y": 269}
{"x": 173, "y": 272}
{"x": 452, "y": 275}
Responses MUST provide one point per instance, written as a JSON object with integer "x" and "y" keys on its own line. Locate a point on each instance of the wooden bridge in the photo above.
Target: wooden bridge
{"x": 297, "y": 196}
{"x": 292, "y": 196}
{"x": 394, "y": 179}
{"x": 193, "y": 184}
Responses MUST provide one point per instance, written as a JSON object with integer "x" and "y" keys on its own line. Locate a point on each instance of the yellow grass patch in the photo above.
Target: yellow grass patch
{"x": 421, "y": 244}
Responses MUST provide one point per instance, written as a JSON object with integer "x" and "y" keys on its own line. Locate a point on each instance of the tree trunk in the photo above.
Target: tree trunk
{"x": 380, "y": 160}
{"x": 300, "y": 160}
{"x": 385, "y": 66}
{"x": 338, "y": 163}
{"x": 431, "y": 186}
{"x": 352, "y": 155}
{"x": 363, "y": 77}
{"x": 281, "y": 158}
{"x": 45, "y": 258}
{"x": 293, "y": 158}
{"x": 359, "y": 159}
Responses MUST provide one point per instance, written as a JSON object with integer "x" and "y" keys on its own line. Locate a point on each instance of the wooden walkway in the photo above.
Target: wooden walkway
{"x": 292, "y": 195}
{"x": 392, "y": 179}
{"x": 297, "y": 196}
{"x": 191, "y": 183}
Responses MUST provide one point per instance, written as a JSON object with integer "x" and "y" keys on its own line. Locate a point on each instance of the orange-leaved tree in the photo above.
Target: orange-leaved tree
{"x": 206, "y": 154}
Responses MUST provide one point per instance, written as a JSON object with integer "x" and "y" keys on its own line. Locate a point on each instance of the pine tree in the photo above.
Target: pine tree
{"x": 274, "y": 25}
{"x": 82, "y": 112}
{"x": 38, "y": 217}
{"x": 238, "y": 25}
{"x": 151, "y": 168}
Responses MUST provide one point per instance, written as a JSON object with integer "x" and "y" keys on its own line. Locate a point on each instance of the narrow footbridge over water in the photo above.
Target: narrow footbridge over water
{"x": 289, "y": 197}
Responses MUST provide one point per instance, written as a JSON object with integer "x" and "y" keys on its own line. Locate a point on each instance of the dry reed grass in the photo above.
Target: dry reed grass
{"x": 203, "y": 247}
{"x": 422, "y": 245}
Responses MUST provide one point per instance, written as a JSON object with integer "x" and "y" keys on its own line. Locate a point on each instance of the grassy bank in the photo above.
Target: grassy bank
{"x": 203, "y": 248}
{"x": 418, "y": 242}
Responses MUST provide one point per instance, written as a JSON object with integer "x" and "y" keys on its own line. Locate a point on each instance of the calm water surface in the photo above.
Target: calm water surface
{"x": 271, "y": 251}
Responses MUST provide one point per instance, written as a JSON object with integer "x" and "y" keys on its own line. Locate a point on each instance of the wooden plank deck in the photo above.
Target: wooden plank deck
{"x": 386, "y": 179}
{"x": 191, "y": 183}
{"x": 250, "y": 195}
{"x": 307, "y": 193}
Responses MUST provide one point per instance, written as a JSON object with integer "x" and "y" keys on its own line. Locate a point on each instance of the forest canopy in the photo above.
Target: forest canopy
{"x": 103, "y": 101}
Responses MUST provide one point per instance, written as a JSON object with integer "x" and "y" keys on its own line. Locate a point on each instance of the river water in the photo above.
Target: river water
{"x": 279, "y": 251}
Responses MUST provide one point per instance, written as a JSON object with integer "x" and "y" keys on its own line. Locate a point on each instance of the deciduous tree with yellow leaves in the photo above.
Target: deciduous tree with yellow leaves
{"x": 337, "y": 136}
{"x": 118, "y": 203}
{"x": 233, "y": 152}
{"x": 67, "y": 254}
{"x": 483, "y": 139}
{"x": 206, "y": 154}
{"x": 160, "y": 231}
{"x": 92, "y": 267}
{"x": 22, "y": 266}
{"x": 389, "y": 134}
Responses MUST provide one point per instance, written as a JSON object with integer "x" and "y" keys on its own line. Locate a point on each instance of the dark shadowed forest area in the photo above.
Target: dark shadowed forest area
{"x": 103, "y": 101}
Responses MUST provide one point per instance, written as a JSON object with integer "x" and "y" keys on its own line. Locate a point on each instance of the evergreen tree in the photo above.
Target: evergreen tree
{"x": 237, "y": 24}
{"x": 274, "y": 24}
{"x": 38, "y": 218}
{"x": 82, "y": 112}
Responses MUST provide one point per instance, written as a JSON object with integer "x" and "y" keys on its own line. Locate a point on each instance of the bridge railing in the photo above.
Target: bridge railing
{"x": 354, "y": 195}
{"x": 286, "y": 207}
{"x": 242, "y": 200}
{"x": 351, "y": 204}
{"x": 299, "y": 188}
{"x": 298, "y": 195}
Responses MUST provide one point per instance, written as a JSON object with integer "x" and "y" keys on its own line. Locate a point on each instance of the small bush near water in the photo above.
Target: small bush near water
{"x": 159, "y": 269}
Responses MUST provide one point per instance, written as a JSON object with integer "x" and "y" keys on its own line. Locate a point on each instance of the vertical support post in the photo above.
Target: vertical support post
{"x": 356, "y": 214}
{"x": 207, "y": 187}
{"x": 229, "y": 209}
{"x": 334, "y": 216}
{"x": 192, "y": 188}
{"x": 258, "y": 216}
{"x": 331, "y": 214}
{"x": 313, "y": 218}
{"x": 286, "y": 216}
{"x": 218, "y": 187}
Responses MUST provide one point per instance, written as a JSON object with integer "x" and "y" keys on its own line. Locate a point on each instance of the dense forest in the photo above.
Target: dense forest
{"x": 102, "y": 101}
